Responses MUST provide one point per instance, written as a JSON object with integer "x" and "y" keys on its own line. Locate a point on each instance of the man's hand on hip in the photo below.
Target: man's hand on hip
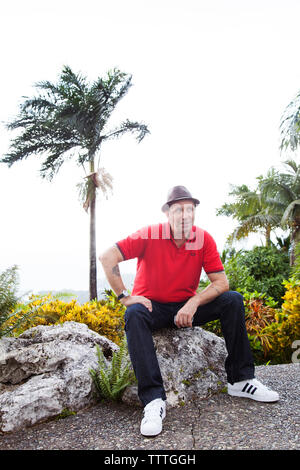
{"x": 186, "y": 314}
{"x": 137, "y": 299}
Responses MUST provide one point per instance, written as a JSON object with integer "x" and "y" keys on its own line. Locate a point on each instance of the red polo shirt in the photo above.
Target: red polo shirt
{"x": 166, "y": 273}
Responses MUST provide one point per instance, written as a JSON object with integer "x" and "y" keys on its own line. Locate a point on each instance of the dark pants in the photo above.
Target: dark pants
{"x": 140, "y": 323}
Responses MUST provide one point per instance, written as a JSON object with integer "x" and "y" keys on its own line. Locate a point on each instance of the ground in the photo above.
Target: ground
{"x": 218, "y": 422}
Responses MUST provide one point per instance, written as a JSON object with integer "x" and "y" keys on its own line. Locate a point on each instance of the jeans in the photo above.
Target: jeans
{"x": 140, "y": 323}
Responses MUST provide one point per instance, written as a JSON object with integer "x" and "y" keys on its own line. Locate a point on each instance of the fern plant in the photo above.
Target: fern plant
{"x": 111, "y": 378}
{"x": 8, "y": 292}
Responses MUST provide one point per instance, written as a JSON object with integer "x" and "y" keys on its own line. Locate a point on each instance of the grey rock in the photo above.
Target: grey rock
{"x": 45, "y": 370}
{"x": 191, "y": 361}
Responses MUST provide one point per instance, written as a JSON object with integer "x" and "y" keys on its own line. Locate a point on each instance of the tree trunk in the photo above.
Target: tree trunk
{"x": 268, "y": 235}
{"x": 93, "y": 260}
{"x": 295, "y": 239}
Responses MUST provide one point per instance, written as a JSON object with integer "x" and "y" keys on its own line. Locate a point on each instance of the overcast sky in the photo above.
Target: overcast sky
{"x": 211, "y": 79}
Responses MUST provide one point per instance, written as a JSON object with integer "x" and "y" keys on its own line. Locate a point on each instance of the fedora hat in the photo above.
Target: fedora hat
{"x": 178, "y": 193}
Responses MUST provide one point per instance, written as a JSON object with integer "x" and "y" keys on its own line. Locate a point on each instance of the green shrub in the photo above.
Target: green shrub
{"x": 261, "y": 269}
{"x": 106, "y": 317}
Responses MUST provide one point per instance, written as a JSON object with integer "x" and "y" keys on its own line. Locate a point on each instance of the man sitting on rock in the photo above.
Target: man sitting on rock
{"x": 171, "y": 256}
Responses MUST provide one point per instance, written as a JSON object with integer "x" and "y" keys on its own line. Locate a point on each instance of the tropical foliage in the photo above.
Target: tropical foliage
{"x": 273, "y": 204}
{"x": 261, "y": 269}
{"x": 271, "y": 330}
{"x": 260, "y": 311}
{"x": 282, "y": 189}
{"x": 272, "y": 312}
{"x": 69, "y": 120}
{"x": 252, "y": 211}
{"x": 103, "y": 316}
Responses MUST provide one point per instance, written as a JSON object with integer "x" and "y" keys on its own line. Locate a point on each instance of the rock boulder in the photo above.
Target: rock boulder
{"x": 46, "y": 370}
{"x": 191, "y": 362}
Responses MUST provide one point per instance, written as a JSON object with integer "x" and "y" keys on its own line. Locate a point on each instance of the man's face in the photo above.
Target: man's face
{"x": 181, "y": 216}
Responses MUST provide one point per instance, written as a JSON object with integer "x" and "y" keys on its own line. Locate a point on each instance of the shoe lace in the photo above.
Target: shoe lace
{"x": 260, "y": 385}
{"x": 153, "y": 410}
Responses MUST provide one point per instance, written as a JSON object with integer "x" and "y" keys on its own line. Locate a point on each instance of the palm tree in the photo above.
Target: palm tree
{"x": 254, "y": 213}
{"x": 283, "y": 189}
{"x": 69, "y": 120}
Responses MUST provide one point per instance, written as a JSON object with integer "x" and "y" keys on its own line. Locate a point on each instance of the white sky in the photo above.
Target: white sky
{"x": 211, "y": 79}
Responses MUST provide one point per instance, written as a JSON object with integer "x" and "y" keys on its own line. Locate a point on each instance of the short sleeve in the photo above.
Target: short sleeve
{"x": 211, "y": 259}
{"x": 134, "y": 245}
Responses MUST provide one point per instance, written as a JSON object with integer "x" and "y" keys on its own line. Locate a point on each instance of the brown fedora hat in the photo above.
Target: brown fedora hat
{"x": 178, "y": 193}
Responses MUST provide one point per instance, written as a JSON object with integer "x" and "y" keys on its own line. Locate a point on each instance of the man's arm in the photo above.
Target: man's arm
{"x": 218, "y": 285}
{"x": 110, "y": 260}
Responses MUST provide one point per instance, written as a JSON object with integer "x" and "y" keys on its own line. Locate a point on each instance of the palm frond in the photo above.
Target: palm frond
{"x": 71, "y": 79}
{"x": 128, "y": 126}
{"x": 288, "y": 212}
{"x": 290, "y": 125}
{"x": 253, "y": 224}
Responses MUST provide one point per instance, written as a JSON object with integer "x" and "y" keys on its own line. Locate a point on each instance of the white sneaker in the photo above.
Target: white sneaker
{"x": 252, "y": 389}
{"x": 154, "y": 413}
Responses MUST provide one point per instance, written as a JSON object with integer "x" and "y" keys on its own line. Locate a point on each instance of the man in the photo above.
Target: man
{"x": 170, "y": 259}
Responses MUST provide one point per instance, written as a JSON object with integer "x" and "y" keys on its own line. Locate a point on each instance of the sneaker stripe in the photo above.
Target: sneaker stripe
{"x": 249, "y": 388}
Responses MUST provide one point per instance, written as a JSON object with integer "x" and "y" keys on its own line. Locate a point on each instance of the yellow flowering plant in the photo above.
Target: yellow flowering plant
{"x": 102, "y": 316}
{"x": 286, "y": 327}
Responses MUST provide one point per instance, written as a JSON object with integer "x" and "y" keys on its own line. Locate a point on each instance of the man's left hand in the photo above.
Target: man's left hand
{"x": 185, "y": 315}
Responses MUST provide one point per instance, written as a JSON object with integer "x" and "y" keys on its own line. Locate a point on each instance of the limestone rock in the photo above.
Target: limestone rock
{"x": 191, "y": 362}
{"x": 45, "y": 370}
